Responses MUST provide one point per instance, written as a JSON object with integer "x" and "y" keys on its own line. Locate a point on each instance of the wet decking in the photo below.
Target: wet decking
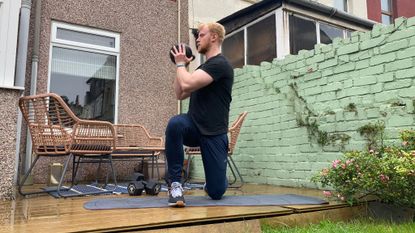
{"x": 48, "y": 214}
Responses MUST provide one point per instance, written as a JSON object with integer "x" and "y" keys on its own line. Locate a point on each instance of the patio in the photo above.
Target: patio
{"x": 45, "y": 213}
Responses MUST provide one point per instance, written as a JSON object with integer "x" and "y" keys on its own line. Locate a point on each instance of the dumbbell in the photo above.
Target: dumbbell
{"x": 189, "y": 53}
{"x": 137, "y": 176}
{"x": 135, "y": 188}
{"x": 152, "y": 188}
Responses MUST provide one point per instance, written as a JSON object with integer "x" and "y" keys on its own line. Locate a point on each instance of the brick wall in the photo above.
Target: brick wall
{"x": 331, "y": 91}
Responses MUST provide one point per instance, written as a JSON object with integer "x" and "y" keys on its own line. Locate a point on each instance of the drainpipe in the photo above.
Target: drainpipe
{"x": 19, "y": 80}
{"x": 178, "y": 41}
{"x": 33, "y": 79}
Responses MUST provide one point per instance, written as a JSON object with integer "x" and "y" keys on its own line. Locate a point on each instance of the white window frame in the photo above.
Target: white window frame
{"x": 318, "y": 22}
{"x": 282, "y": 25}
{"x": 61, "y": 43}
{"x": 9, "y": 25}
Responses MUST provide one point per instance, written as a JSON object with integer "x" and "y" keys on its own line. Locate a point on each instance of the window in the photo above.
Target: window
{"x": 340, "y": 5}
{"x": 233, "y": 49}
{"x": 329, "y": 32}
{"x": 257, "y": 41}
{"x": 303, "y": 34}
{"x": 261, "y": 44}
{"x": 386, "y": 8}
{"x": 84, "y": 69}
{"x": 9, "y": 24}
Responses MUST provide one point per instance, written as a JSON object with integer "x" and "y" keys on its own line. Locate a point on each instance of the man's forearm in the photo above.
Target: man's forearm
{"x": 179, "y": 84}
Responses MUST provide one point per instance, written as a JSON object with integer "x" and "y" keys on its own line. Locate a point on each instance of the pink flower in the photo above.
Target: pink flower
{"x": 327, "y": 193}
{"x": 384, "y": 178}
{"x": 344, "y": 166}
{"x": 324, "y": 172}
{"x": 349, "y": 161}
{"x": 335, "y": 163}
{"x": 404, "y": 143}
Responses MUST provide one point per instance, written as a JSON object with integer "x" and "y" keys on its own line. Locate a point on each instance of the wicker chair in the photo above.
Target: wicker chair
{"x": 56, "y": 131}
{"x": 134, "y": 142}
{"x": 233, "y": 136}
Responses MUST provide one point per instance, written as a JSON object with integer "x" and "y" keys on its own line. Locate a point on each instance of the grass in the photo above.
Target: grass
{"x": 355, "y": 226}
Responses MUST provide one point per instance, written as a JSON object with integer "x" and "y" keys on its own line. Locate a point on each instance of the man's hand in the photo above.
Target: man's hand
{"x": 179, "y": 54}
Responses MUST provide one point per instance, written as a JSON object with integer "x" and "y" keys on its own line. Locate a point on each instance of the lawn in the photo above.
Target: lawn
{"x": 355, "y": 226}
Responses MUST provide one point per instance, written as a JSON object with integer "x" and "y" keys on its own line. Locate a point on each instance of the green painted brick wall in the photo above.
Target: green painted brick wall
{"x": 341, "y": 86}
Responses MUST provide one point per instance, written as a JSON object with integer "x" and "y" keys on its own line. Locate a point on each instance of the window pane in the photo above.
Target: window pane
{"x": 385, "y": 5}
{"x": 86, "y": 38}
{"x": 302, "y": 34}
{"x": 261, "y": 41}
{"x": 386, "y": 19}
{"x": 340, "y": 4}
{"x": 233, "y": 49}
{"x": 348, "y": 33}
{"x": 329, "y": 32}
{"x": 86, "y": 81}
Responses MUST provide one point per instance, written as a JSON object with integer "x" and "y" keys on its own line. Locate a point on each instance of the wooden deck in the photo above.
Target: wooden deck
{"x": 48, "y": 214}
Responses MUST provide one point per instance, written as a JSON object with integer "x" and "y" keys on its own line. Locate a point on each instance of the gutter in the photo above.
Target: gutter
{"x": 332, "y": 12}
{"x": 19, "y": 79}
{"x": 33, "y": 80}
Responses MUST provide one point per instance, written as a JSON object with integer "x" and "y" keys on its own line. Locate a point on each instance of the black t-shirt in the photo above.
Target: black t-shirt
{"x": 209, "y": 106}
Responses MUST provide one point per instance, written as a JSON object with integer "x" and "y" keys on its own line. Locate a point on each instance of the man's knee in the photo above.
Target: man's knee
{"x": 216, "y": 193}
{"x": 174, "y": 124}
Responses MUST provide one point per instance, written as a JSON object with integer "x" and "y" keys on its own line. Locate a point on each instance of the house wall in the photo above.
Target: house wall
{"x": 373, "y": 10}
{"x": 401, "y": 8}
{"x": 148, "y": 29}
{"x": 8, "y": 163}
{"x": 9, "y": 94}
{"x": 404, "y": 8}
{"x": 333, "y": 89}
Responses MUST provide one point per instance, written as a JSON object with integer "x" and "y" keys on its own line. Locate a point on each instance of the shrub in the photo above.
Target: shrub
{"x": 388, "y": 174}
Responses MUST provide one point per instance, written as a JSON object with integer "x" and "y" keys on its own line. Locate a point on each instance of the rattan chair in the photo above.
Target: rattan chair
{"x": 233, "y": 133}
{"x": 134, "y": 142}
{"x": 56, "y": 131}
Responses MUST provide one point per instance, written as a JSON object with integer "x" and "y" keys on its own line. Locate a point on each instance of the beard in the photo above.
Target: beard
{"x": 202, "y": 50}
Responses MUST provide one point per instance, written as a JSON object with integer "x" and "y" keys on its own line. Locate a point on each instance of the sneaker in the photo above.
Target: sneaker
{"x": 176, "y": 195}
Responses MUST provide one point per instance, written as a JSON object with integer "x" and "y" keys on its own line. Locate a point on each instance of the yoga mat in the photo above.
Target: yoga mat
{"x": 157, "y": 202}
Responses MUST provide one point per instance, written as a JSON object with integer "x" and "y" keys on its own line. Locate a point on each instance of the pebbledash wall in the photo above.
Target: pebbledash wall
{"x": 332, "y": 90}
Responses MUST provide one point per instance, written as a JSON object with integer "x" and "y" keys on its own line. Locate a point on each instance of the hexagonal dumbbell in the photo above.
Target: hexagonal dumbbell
{"x": 135, "y": 188}
{"x": 152, "y": 188}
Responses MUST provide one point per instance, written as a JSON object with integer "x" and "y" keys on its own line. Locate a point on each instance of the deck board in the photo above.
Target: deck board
{"x": 48, "y": 214}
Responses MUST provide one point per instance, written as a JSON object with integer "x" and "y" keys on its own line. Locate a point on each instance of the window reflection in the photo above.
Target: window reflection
{"x": 233, "y": 49}
{"x": 261, "y": 44}
{"x": 328, "y": 33}
{"x": 302, "y": 34}
{"x": 86, "y": 81}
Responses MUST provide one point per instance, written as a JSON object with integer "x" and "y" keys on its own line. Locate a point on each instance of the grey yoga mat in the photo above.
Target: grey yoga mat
{"x": 157, "y": 202}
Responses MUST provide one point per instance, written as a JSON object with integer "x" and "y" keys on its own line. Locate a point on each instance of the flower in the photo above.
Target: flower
{"x": 335, "y": 163}
{"x": 387, "y": 173}
{"x": 327, "y": 193}
{"x": 384, "y": 178}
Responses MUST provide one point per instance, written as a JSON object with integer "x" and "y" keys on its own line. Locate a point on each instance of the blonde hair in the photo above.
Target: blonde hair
{"x": 216, "y": 28}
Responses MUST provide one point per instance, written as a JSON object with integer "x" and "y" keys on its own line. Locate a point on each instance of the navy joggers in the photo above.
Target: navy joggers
{"x": 182, "y": 131}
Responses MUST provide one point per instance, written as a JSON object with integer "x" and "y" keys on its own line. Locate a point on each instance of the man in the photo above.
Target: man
{"x": 206, "y": 123}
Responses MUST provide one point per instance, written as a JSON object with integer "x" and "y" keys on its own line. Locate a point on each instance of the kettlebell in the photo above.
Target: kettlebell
{"x": 189, "y": 53}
